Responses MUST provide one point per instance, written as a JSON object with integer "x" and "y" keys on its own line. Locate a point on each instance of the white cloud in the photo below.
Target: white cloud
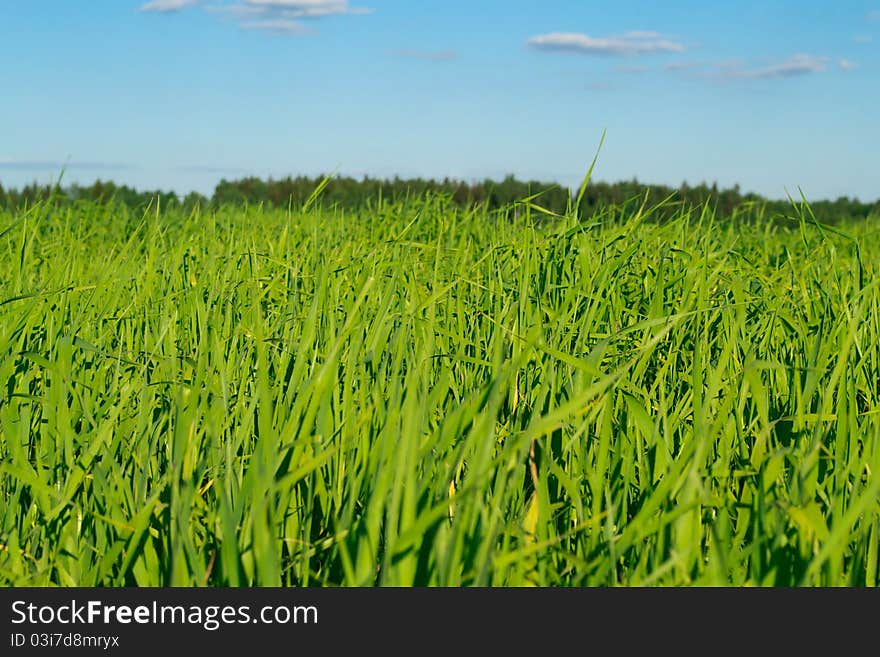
{"x": 847, "y": 64}
{"x": 631, "y": 43}
{"x": 166, "y": 6}
{"x": 794, "y": 66}
{"x": 863, "y": 38}
{"x": 874, "y": 15}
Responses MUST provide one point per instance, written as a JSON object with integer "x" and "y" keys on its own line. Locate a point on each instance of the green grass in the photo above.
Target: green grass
{"x": 420, "y": 395}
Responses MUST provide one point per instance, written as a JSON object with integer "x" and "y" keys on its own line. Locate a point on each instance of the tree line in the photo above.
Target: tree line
{"x": 349, "y": 193}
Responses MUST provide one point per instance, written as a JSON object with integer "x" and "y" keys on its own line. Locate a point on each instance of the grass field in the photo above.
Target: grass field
{"x": 420, "y": 395}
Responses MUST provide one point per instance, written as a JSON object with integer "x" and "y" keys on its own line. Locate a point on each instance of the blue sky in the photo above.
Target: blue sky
{"x": 176, "y": 94}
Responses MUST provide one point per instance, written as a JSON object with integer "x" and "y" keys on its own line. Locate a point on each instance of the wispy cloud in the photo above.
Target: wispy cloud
{"x": 739, "y": 69}
{"x": 629, "y": 44}
{"x": 863, "y": 38}
{"x": 682, "y": 66}
{"x": 847, "y": 64}
{"x": 643, "y": 34}
{"x": 631, "y": 70}
{"x": 795, "y": 66}
{"x": 428, "y": 55}
{"x": 276, "y": 25}
{"x": 211, "y": 169}
{"x": 276, "y": 16}
{"x": 167, "y": 6}
{"x": 874, "y": 15}
{"x": 12, "y": 164}
{"x": 305, "y": 8}
{"x": 286, "y": 16}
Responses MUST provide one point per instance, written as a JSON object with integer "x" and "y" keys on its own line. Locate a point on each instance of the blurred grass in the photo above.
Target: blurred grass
{"x": 420, "y": 395}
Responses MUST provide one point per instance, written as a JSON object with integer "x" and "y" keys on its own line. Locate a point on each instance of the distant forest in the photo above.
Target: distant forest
{"x": 347, "y": 193}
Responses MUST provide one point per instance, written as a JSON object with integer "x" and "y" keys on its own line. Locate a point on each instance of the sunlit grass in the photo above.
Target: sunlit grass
{"x": 419, "y": 395}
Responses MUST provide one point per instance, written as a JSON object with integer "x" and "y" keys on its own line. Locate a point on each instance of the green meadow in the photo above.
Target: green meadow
{"x": 423, "y": 394}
